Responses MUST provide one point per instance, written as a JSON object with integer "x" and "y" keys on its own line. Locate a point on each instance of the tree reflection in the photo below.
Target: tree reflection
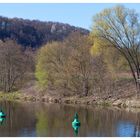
{"x": 137, "y": 127}
{"x": 36, "y": 119}
{"x": 42, "y": 124}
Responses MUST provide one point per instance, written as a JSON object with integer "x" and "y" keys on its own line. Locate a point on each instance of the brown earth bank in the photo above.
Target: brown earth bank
{"x": 124, "y": 96}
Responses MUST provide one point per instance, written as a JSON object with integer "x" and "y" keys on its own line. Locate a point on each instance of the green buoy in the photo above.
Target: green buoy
{"x": 2, "y": 117}
{"x": 2, "y": 114}
{"x": 76, "y": 124}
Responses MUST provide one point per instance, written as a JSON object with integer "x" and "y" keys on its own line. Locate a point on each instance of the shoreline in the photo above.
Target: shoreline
{"x": 130, "y": 102}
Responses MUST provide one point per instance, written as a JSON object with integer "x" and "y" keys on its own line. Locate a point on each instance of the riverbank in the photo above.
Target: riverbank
{"x": 125, "y": 102}
{"x": 124, "y": 96}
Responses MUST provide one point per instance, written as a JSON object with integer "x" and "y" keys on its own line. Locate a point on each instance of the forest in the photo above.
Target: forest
{"x": 66, "y": 61}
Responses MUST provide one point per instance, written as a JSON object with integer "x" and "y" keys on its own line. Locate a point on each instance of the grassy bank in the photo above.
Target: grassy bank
{"x": 16, "y": 96}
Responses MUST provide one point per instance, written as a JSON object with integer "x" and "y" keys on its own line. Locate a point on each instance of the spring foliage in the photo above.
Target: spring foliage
{"x": 69, "y": 67}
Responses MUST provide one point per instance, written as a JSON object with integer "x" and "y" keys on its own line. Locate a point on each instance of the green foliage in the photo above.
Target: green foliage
{"x": 119, "y": 27}
{"x": 41, "y": 73}
{"x": 10, "y": 97}
{"x": 113, "y": 59}
{"x": 99, "y": 45}
{"x": 69, "y": 67}
{"x": 106, "y": 103}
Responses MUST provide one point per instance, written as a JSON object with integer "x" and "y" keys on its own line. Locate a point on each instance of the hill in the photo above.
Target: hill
{"x": 34, "y": 33}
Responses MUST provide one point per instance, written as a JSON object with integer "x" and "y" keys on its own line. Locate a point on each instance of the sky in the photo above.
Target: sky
{"x": 79, "y": 15}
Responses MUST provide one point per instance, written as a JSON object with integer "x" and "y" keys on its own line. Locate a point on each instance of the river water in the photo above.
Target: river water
{"x": 54, "y": 120}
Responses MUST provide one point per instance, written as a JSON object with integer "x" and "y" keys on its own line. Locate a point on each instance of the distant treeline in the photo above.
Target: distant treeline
{"x": 34, "y": 33}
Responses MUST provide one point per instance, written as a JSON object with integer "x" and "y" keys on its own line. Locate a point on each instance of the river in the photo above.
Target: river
{"x": 54, "y": 120}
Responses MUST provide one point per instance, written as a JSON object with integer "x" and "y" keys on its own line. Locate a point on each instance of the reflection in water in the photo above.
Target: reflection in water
{"x": 37, "y": 119}
{"x": 75, "y": 128}
{"x": 42, "y": 124}
{"x": 2, "y": 120}
{"x": 137, "y": 128}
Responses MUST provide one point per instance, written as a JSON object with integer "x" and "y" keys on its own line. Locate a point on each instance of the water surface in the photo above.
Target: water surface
{"x": 54, "y": 120}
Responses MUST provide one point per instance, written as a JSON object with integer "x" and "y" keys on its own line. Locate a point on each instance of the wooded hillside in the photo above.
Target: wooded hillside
{"x": 35, "y": 33}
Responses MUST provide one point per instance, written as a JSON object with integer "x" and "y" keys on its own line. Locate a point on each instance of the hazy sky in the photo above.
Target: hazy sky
{"x": 74, "y": 14}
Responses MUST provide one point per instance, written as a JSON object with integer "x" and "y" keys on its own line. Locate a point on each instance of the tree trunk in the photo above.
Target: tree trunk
{"x": 85, "y": 87}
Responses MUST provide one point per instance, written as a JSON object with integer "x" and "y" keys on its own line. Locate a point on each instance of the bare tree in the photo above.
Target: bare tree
{"x": 120, "y": 27}
{"x": 13, "y": 65}
{"x": 81, "y": 64}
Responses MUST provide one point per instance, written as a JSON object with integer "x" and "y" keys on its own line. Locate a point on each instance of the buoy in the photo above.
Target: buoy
{"x": 76, "y": 124}
{"x": 2, "y": 117}
{"x": 2, "y": 114}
